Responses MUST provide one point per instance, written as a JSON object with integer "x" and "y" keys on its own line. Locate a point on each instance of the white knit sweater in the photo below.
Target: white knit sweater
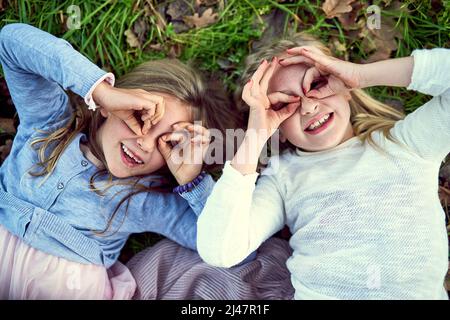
{"x": 365, "y": 225}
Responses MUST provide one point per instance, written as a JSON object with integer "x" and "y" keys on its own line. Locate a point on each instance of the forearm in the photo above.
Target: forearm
{"x": 246, "y": 158}
{"x": 26, "y": 50}
{"x": 223, "y": 226}
{"x": 393, "y": 72}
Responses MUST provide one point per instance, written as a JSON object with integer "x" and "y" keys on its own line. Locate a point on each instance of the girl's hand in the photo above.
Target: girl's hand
{"x": 136, "y": 107}
{"x": 335, "y": 75}
{"x": 184, "y": 150}
{"x": 267, "y": 112}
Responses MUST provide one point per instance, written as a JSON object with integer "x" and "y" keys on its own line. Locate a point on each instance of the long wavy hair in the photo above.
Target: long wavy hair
{"x": 210, "y": 103}
{"x": 366, "y": 113}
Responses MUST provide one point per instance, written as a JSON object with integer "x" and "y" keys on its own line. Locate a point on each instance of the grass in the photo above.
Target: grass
{"x": 228, "y": 41}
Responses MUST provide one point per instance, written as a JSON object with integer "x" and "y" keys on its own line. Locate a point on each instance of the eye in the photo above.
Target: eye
{"x": 279, "y": 105}
{"x": 138, "y": 114}
{"x": 319, "y": 83}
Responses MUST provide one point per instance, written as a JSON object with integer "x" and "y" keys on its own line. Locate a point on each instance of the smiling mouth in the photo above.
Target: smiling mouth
{"x": 129, "y": 158}
{"x": 320, "y": 124}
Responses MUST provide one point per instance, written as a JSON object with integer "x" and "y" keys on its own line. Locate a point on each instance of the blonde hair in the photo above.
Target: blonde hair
{"x": 367, "y": 114}
{"x": 211, "y": 105}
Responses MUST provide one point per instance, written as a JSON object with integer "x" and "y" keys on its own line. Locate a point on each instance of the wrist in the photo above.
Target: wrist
{"x": 100, "y": 92}
{"x": 395, "y": 72}
{"x": 247, "y": 157}
{"x": 186, "y": 185}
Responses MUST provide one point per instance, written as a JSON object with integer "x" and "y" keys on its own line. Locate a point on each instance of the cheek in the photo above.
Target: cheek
{"x": 291, "y": 127}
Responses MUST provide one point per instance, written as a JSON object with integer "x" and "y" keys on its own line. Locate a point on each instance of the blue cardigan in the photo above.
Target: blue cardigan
{"x": 58, "y": 215}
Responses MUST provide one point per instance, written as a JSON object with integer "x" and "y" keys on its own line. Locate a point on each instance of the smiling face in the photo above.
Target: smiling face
{"x": 118, "y": 142}
{"x": 318, "y": 124}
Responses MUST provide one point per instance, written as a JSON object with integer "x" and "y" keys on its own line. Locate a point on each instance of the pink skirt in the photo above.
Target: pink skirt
{"x": 27, "y": 273}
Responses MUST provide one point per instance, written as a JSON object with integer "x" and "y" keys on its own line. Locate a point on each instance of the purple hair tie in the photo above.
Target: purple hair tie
{"x": 190, "y": 185}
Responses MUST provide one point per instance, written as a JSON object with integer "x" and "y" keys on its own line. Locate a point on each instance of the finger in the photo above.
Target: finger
{"x": 200, "y": 139}
{"x": 146, "y": 127}
{"x": 322, "y": 61}
{"x": 181, "y": 125}
{"x": 246, "y": 92}
{"x": 277, "y": 97}
{"x": 133, "y": 124}
{"x": 177, "y": 137}
{"x": 164, "y": 148}
{"x": 310, "y": 75}
{"x": 149, "y": 108}
{"x": 257, "y": 76}
{"x": 155, "y": 98}
{"x": 296, "y": 60}
{"x": 299, "y": 50}
{"x": 264, "y": 84}
{"x": 198, "y": 129}
{"x": 159, "y": 112}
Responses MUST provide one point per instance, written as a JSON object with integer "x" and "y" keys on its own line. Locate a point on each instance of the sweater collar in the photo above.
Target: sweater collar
{"x": 354, "y": 141}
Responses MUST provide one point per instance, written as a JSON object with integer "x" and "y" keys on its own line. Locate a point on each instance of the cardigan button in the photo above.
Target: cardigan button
{"x": 84, "y": 163}
{"x": 60, "y": 186}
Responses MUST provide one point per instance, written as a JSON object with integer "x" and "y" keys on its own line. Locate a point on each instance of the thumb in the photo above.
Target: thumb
{"x": 131, "y": 121}
{"x": 165, "y": 148}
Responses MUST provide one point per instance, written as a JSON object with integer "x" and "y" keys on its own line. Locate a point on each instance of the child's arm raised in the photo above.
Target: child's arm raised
{"x": 38, "y": 66}
{"x": 238, "y": 216}
{"x": 427, "y": 129}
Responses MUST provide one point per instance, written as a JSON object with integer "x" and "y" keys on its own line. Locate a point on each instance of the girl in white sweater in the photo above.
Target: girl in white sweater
{"x": 357, "y": 183}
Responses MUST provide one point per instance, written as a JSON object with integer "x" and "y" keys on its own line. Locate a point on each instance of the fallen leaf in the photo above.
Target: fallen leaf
{"x": 207, "y": 18}
{"x": 333, "y": 8}
{"x": 156, "y": 46}
{"x": 178, "y": 9}
{"x": 140, "y": 28}
{"x": 160, "y": 21}
{"x": 132, "y": 39}
{"x": 7, "y": 125}
{"x": 273, "y": 28}
{"x": 175, "y": 51}
{"x": 206, "y": 3}
{"x": 5, "y": 150}
{"x": 382, "y": 41}
{"x": 348, "y": 20}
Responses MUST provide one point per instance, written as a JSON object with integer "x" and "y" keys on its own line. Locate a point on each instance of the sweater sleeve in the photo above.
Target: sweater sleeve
{"x": 169, "y": 214}
{"x": 38, "y": 67}
{"x": 427, "y": 130}
{"x": 238, "y": 217}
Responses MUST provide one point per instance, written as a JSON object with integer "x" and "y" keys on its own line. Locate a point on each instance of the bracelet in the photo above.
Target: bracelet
{"x": 190, "y": 185}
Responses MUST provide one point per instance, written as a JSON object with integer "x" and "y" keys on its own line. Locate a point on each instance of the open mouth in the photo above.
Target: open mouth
{"x": 129, "y": 158}
{"x": 320, "y": 125}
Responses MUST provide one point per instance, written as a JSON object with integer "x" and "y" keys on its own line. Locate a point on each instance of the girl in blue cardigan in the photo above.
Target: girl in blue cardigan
{"x": 78, "y": 182}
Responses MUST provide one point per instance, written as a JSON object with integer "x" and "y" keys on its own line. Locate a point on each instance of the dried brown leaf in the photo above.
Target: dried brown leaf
{"x": 7, "y": 125}
{"x": 160, "y": 21}
{"x": 382, "y": 41}
{"x": 175, "y": 51}
{"x": 333, "y": 8}
{"x": 206, "y": 3}
{"x": 5, "y": 150}
{"x": 132, "y": 39}
{"x": 140, "y": 28}
{"x": 349, "y": 20}
{"x": 207, "y": 18}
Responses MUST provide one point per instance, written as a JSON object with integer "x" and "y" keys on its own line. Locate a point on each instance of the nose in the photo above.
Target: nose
{"x": 308, "y": 106}
{"x": 146, "y": 143}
